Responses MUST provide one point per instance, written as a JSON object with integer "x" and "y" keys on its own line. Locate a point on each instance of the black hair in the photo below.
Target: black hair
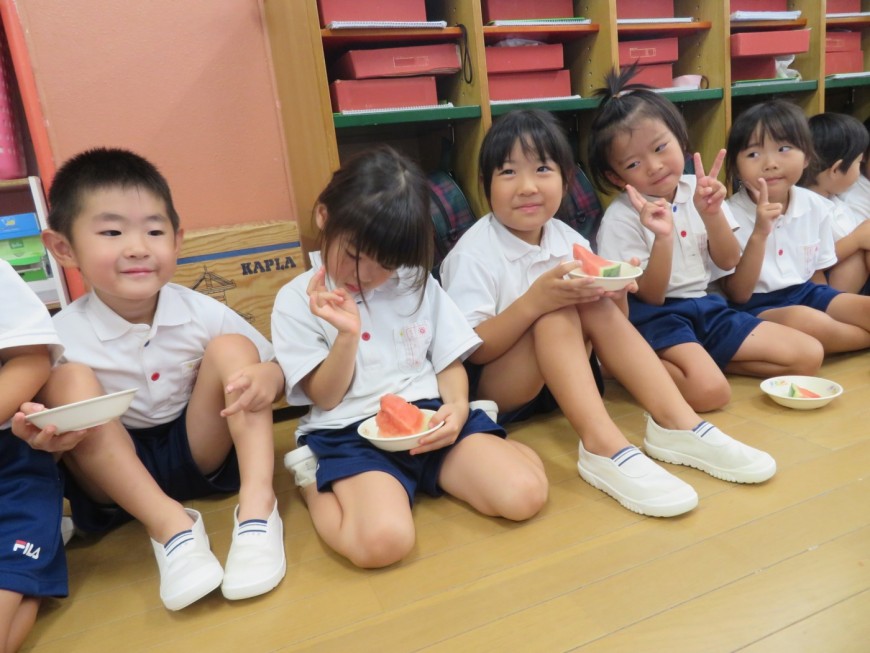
{"x": 378, "y": 204}
{"x": 780, "y": 120}
{"x": 838, "y": 137}
{"x": 623, "y": 105}
{"x": 97, "y": 169}
{"x": 540, "y": 135}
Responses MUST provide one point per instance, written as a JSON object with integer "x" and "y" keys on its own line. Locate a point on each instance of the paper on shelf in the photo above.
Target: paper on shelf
{"x": 643, "y": 21}
{"x": 356, "y": 112}
{"x": 536, "y": 99}
{"x": 862, "y": 73}
{"x": 857, "y": 14}
{"x": 765, "y": 15}
{"x": 539, "y": 21}
{"x": 386, "y": 24}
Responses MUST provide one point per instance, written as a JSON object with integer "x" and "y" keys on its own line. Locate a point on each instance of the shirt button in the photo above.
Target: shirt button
{"x": 683, "y": 234}
{"x": 366, "y": 336}
{"x": 155, "y": 376}
{"x": 674, "y": 208}
{"x": 779, "y": 252}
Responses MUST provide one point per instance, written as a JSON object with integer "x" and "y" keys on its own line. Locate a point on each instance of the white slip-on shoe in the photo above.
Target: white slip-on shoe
{"x": 256, "y": 562}
{"x": 707, "y": 448}
{"x": 487, "y": 406}
{"x": 637, "y": 482}
{"x": 302, "y": 463}
{"x": 188, "y": 568}
{"x": 67, "y": 529}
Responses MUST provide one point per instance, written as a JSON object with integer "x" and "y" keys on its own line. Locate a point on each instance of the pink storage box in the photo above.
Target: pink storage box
{"x": 756, "y": 44}
{"x": 644, "y": 8}
{"x": 843, "y": 7}
{"x": 521, "y": 86}
{"x": 759, "y": 5}
{"x": 657, "y": 75}
{"x": 753, "y": 68}
{"x": 349, "y": 94}
{"x": 397, "y": 10}
{"x": 844, "y": 62}
{"x": 524, "y": 58}
{"x": 649, "y": 51}
{"x": 442, "y": 58}
{"x": 842, "y": 41}
{"x": 512, "y": 9}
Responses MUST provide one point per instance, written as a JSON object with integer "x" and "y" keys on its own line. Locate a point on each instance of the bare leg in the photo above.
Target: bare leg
{"x": 697, "y": 376}
{"x": 850, "y": 274}
{"x": 773, "y": 350}
{"x": 844, "y": 327}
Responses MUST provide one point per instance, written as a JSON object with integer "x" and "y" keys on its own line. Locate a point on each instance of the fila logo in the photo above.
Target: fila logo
{"x": 27, "y": 549}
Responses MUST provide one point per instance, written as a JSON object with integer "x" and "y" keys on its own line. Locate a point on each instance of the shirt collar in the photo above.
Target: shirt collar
{"x": 108, "y": 325}
{"x": 515, "y": 248}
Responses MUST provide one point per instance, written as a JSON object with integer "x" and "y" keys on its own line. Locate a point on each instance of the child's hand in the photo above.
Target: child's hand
{"x": 619, "y": 295}
{"x": 709, "y": 191}
{"x": 336, "y": 307}
{"x": 47, "y": 439}
{"x": 256, "y": 385}
{"x": 766, "y": 212}
{"x": 655, "y": 216}
{"x": 552, "y": 290}
{"x": 454, "y": 417}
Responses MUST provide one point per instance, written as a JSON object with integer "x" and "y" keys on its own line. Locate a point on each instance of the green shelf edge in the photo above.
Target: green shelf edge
{"x": 568, "y": 104}
{"x": 847, "y": 82}
{"x": 767, "y": 88}
{"x": 695, "y": 94}
{"x": 404, "y": 116}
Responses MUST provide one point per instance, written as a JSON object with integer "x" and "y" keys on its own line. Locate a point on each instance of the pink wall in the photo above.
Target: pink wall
{"x": 186, "y": 83}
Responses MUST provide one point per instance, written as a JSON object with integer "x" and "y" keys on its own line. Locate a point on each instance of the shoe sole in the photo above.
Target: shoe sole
{"x": 671, "y": 510}
{"x": 675, "y": 458}
{"x": 192, "y": 595}
{"x": 256, "y": 589}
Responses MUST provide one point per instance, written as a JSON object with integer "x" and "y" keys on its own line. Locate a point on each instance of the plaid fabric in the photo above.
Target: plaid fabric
{"x": 451, "y": 214}
{"x": 581, "y": 208}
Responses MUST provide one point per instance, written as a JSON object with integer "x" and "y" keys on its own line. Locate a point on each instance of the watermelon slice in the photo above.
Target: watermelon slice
{"x": 594, "y": 265}
{"x": 795, "y": 390}
{"x": 397, "y": 417}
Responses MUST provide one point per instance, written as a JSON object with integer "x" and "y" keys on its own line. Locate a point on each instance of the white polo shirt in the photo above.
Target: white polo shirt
{"x": 621, "y": 236}
{"x": 403, "y": 344}
{"x": 161, "y": 359}
{"x": 24, "y": 320}
{"x": 857, "y": 196}
{"x": 490, "y": 268}
{"x": 844, "y": 219}
{"x": 801, "y": 242}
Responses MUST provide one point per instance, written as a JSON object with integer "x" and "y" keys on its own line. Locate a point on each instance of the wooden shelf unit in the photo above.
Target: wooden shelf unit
{"x": 318, "y": 140}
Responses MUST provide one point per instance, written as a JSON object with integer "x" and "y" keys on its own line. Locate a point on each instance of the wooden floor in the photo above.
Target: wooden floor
{"x": 781, "y": 567}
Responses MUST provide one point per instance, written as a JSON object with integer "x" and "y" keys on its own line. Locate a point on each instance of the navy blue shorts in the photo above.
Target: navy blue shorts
{"x": 165, "y": 452}
{"x": 32, "y": 558}
{"x": 544, "y": 402}
{"x": 707, "y": 320}
{"x": 810, "y": 294}
{"x": 342, "y": 453}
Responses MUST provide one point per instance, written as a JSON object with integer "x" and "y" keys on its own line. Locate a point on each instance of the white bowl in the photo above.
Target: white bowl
{"x": 777, "y": 389}
{"x": 369, "y": 430}
{"x": 84, "y": 414}
{"x": 627, "y": 273}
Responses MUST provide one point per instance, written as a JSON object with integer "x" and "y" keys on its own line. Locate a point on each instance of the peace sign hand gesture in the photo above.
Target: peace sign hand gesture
{"x": 655, "y": 216}
{"x": 709, "y": 191}
{"x": 766, "y": 212}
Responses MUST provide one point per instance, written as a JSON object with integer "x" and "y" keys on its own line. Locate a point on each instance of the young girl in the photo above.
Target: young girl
{"x": 785, "y": 232}
{"x": 857, "y": 196}
{"x": 368, "y": 320}
{"x": 682, "y": 233}
{"x": 840, "y": 141}
{"x": 508, "y": 276}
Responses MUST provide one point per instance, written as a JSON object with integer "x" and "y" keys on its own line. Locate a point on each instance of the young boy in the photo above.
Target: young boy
{"x": 32, "y": 561}
{"x": 201, "y": 421}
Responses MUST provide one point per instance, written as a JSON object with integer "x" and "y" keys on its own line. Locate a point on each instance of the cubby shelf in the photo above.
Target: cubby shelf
{"x": 376, "y": 118}
{"x": 746, "y": 89}
{"x": 663, "y": 29}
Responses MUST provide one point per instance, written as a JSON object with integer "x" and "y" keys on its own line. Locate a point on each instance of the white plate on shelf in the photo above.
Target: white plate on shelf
{"x": 627, "y": 274}
{"x": 84, "y": 414}
{"x": 369, "y": 430}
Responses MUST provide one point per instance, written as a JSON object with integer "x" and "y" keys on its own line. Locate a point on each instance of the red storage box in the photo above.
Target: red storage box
{"x": 522, "y": 86}
{"x": 842, "y": 41}
{"x": 349, "y": 94}
{"x": 644, "y": 8}
{"x": 760, "y": 5}
{"x": 397, "y": 10}
{"x": 524, "y": 58}
{"x": 657, "y": 75}
{"x": 843, "y": 7}
{"x": 844, "y": 62}
{"x": 757, "y": 44}
{"x": 513, "y": 9}
{"x": 753, "y": 68}
{"x": 442, "y": 58}
{"x": 649, "y": 51}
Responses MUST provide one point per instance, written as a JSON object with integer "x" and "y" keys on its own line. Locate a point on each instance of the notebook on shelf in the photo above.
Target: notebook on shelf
{"x": 653, "y": 21}
{"x": 765, "y": 15}
{"x": 514, "y": 22}
{"x": 426, "y": 107}
{"x": 386, "y": 24}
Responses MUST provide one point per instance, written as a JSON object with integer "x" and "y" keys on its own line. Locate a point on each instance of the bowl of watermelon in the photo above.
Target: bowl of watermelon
{"x": 398, "y": 425}
{"x": 801, "y": 392}
{"x": 609, "y": 275}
